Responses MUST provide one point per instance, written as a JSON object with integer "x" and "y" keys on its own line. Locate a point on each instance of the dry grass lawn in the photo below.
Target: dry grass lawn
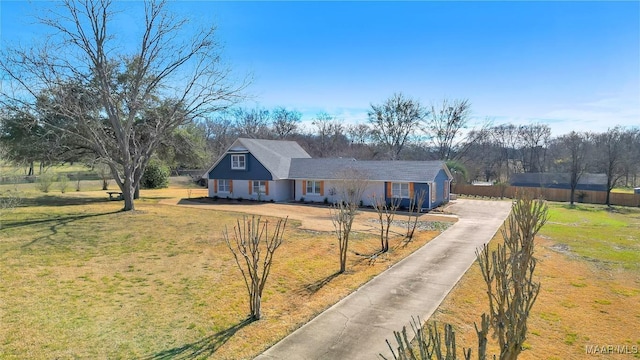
{"x": 80, "y": 279}
{"x": 587, "y": 298}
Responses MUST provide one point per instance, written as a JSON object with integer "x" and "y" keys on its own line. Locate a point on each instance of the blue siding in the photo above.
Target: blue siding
{"x": 417, "y": 187}
{"x": 254, "y": 170}
{"x": 440, "y": 180}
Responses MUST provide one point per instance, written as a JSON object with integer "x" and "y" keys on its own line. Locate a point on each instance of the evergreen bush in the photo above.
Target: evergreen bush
{"x": 156, "y": 176}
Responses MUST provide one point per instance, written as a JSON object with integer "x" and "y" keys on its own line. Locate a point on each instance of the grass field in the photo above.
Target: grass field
{"x": 81, "y": 279}
{"x": 11, "y": 170}
{"x": 588, "y": 266}
{"x": 625, "y": 190}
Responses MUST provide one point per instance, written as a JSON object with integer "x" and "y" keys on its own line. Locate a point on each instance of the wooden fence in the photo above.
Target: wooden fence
{"x": 590, "y": 197}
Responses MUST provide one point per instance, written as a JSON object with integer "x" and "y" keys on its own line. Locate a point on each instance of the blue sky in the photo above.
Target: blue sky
{"x": 571, "y": 65}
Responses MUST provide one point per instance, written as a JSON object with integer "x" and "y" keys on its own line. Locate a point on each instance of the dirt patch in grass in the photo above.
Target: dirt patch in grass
{"x": 312, "y": 217}
{"x": 85, "y": 280}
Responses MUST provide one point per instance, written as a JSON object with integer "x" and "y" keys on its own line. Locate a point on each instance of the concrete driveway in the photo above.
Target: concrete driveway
{"x": 357, "y": 326}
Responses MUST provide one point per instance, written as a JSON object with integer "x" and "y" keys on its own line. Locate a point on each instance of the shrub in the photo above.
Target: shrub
{"x": 45, "y": 181}
{"x": 326, "y": 201}
{"x": 155, "y": 176}
{"x": 105, "y": 174}
{"x": 302, "y": 199}
{"x": 581, "y": 196}
{"x": 63, "y": 183}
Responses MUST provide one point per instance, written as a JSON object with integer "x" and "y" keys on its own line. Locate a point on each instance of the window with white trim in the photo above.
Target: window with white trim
{"x": 238, "y": 162}
{"x": 400, "y": 190}
{"x": 224, "y": 186}
{"x": 313, "y": 187}
{"x": 259, "y": 187}
{"x": 434, "y": 194}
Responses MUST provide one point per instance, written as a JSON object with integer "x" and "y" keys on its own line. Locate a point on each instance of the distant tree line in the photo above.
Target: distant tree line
{"x": 401, "y": 128}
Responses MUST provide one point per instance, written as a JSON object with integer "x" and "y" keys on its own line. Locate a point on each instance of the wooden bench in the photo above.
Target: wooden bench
{"x": 115, "y": 195}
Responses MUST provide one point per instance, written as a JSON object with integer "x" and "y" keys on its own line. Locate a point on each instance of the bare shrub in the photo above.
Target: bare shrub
{"x": 9, "y": 200}
{"x": 415, "y": 206}
{"x": 105, "y": 174}
{"x": 45, "y": 181}
{"x": 63, "y": 183}
{"x": 251, "y": 239}
{"x": 508, "y": 274}
{"x": 386, "y": 213}
{"x": 350, "y": 189}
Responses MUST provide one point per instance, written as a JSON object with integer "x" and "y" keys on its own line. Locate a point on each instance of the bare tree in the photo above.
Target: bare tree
{"x": 358, "y": 134}
{"x": 445, "y": 123}
{"x": 350, "y": 189}
{"x": 284, "y": 123}
{"x": 220, "y": 133}
{"x": 386, "y": 212}
{"x": 507, "y": 138}
{"x": 250, "y": 241}
{"x": 609, "y": 154}
{"x": 394, "y": 121}
{"x": 575, "y": 147}
{"x": 117, "y": 103}
{"x": 251, "y": 123}
{"x": 631, "y": 154}
{"x": 329, "y": 131}
{"x": 535, "y": 141}
{"x": 485, "y": 155}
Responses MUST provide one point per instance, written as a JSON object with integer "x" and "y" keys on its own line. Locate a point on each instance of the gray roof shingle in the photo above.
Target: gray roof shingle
{"x": 275, "y": 155}
{"x": 373, "y": 170}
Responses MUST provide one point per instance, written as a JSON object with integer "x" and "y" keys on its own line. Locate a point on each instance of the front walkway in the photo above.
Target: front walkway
{"x": 357, "y": 326}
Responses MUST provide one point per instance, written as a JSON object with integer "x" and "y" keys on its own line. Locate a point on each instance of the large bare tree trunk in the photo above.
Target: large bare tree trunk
{"x": 128, "y": 191}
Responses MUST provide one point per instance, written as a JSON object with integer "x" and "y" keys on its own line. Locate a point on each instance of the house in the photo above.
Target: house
{"x": 588, "y": 181}
{"x": 282, "y": 171}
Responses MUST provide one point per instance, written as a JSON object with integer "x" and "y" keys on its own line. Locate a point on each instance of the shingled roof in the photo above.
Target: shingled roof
{"x": 275, "y": 155}
{"x": 373, "y": 170}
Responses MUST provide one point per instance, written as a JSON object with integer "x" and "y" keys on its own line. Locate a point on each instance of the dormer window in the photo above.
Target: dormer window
{"x": 238, "y": 162}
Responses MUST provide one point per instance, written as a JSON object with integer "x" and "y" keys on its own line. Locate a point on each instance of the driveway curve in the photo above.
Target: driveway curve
{"x": 357, "y": 326}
